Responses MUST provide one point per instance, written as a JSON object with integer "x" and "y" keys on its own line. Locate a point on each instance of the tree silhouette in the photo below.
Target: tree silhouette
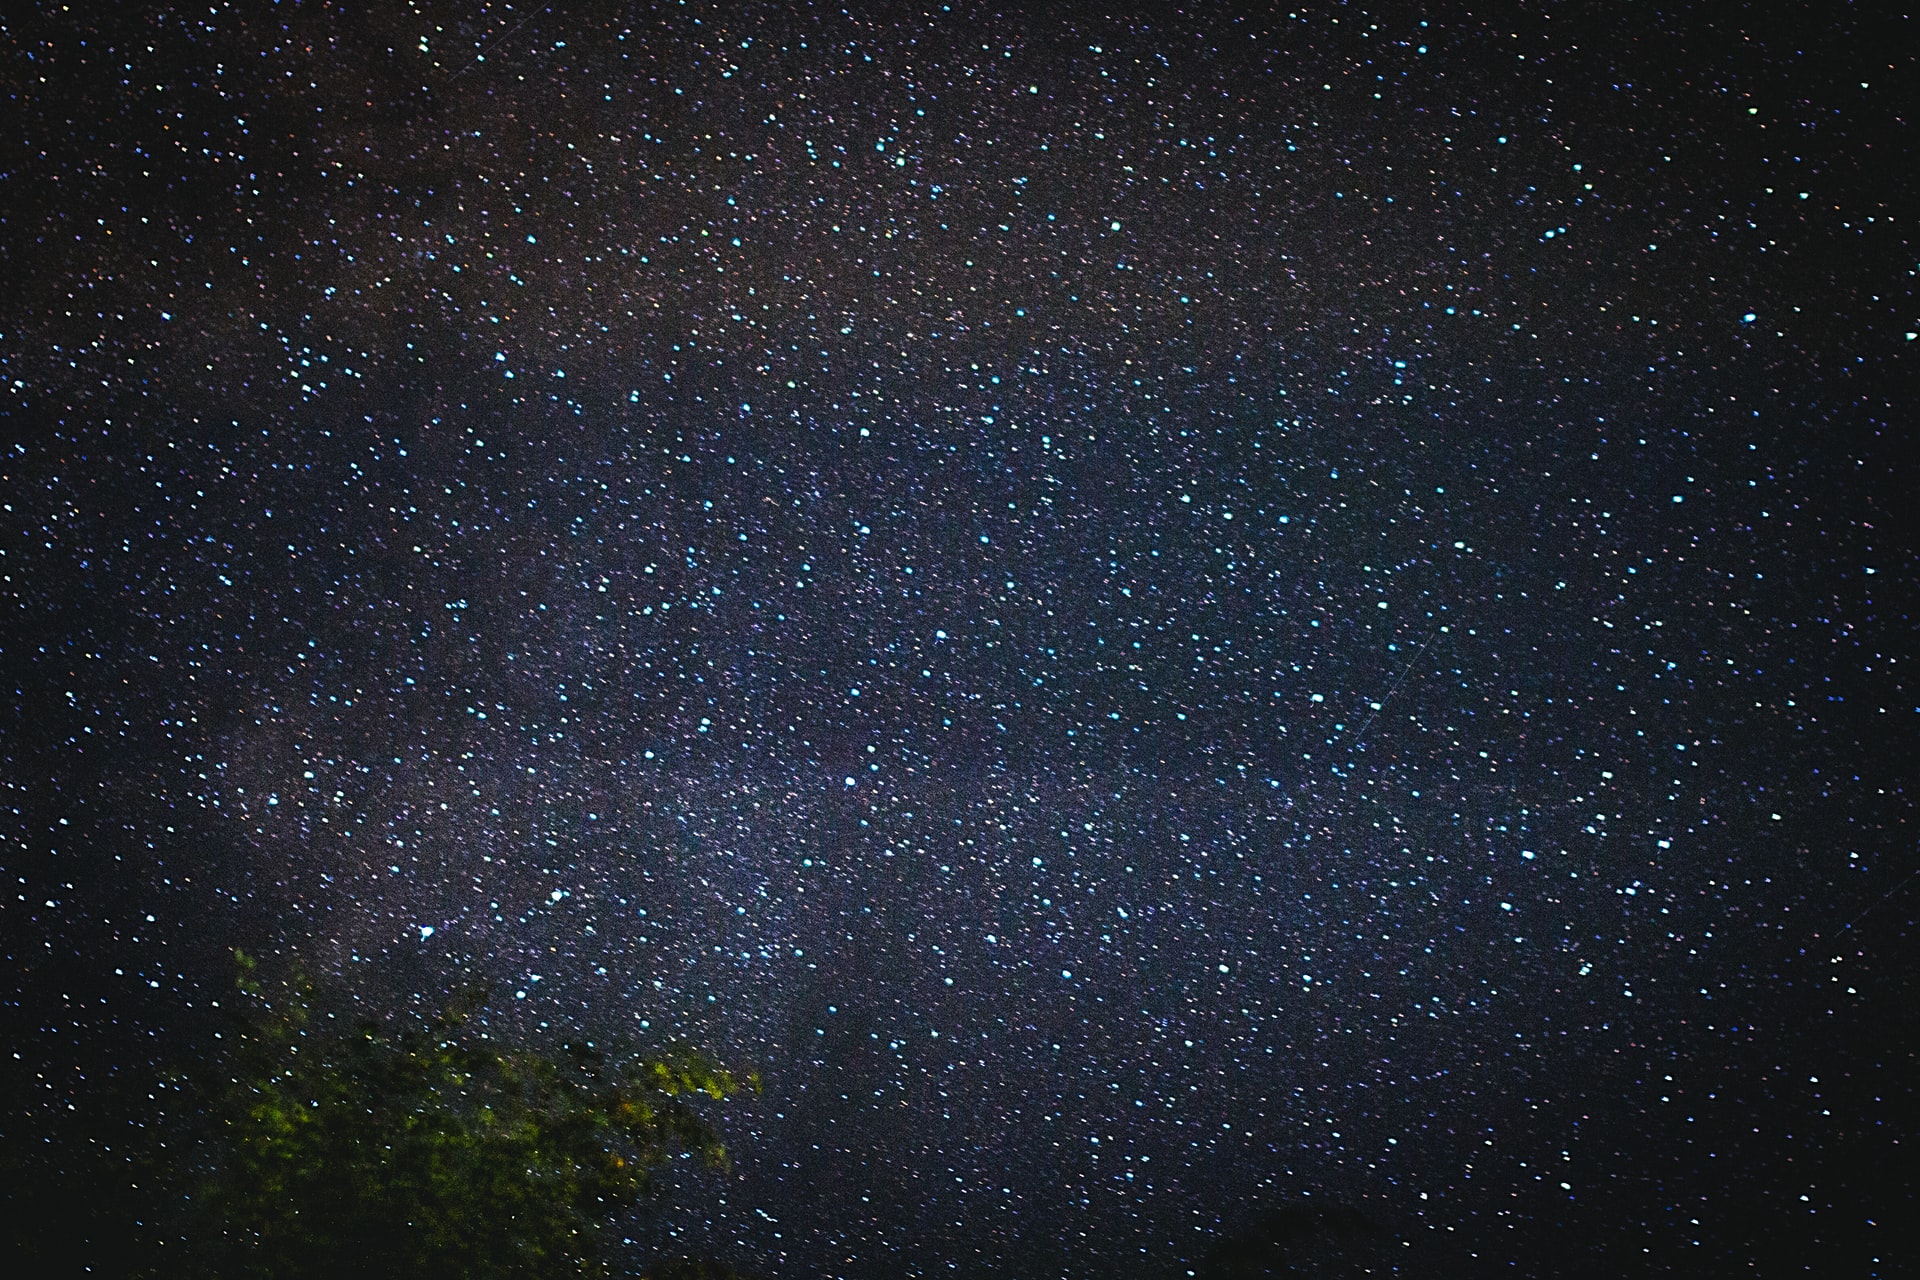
{"x": 1301, "y": 1241}
{"x": 338, "y": 1148}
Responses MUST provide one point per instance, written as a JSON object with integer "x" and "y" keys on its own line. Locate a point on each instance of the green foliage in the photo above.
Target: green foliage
{"x": 432, "y": 1150}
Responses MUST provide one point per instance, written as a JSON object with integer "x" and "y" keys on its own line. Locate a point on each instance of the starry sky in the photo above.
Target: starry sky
{"x": 1162, "y": 618}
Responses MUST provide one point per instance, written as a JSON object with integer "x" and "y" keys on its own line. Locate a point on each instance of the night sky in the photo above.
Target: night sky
{"x": 1162, "y": 619}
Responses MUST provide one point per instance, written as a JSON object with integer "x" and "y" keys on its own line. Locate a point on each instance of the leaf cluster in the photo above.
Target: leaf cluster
{"x": 431, "y": 1149}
